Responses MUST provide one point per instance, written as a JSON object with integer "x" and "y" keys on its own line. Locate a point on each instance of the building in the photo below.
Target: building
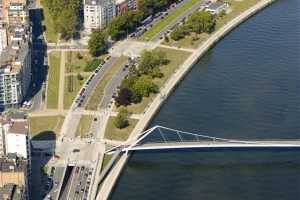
{"x": 13, "y": 176}
{"x": 98, "y": 13}
{"x": 4, "y": 8}
{"x": 123, "y": 6}
{"x": 11, "y": 192}
{"x": 217, "y": 7}
{"x": 14, "y": 137}
{"x": 15, "y": 55}
{"x": 17, "y": 13}
{"x": 3, "y": 37}
{"x": 16, "y": 140}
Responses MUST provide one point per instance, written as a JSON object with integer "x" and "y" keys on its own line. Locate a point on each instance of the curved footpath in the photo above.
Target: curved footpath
{"x": 165, "y": 91}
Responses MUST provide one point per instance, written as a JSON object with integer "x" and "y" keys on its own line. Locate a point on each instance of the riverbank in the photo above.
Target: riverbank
{"x": 173, "y": 81}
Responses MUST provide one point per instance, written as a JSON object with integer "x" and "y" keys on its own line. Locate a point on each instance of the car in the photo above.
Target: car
{"x": 76, "y": 150}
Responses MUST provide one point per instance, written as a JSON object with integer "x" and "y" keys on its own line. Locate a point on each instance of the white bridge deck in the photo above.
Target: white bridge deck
{"x": 172, "y": 139}
{"x": 258, "y": 144}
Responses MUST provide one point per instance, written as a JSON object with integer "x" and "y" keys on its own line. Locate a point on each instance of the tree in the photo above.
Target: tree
{"x": 66, "y": 16}
{"x": 79, "y": 77}
{"x": 150, "y": 61}
{"x": 122, "y": 25}
{"x": 201, "y": 22}
{"x": 167, "y": 39}
{"x": 121, "y": 121}
{"x": 97, "y": 44}
{"x": 150, "y": 7}
{"x": 124, "y": 97}
{"x": 144, "y": 86}
{"x": 92, "y": 65}
{"x": 179, "y": 33}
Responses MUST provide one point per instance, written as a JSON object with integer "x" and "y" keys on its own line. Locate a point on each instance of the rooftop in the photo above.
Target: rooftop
{"x": 216, "y": 5}
{"x": 12, "y": 163}
{"x": 11, "y": 192}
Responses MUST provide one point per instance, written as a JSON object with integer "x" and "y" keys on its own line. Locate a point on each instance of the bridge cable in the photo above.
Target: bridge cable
{"x": 161, "y": 133}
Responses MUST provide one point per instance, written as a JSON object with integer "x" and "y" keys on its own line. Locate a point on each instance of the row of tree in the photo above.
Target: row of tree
{"x": 124, "y": 24}
{"x": 198, "y": 22}
{"x": 65, "y": 15}
{"x": 139, "y": 83}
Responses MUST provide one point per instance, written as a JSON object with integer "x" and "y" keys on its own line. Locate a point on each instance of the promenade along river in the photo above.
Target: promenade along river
{"x": 247, "y": 86}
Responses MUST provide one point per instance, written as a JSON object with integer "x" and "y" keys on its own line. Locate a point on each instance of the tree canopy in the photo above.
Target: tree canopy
{"x": 121, "y": 121}
{"x": 123, "y": 24}
{"x": 198, "y": 22}
{"x": 65, "y": 15}
{"x": 98, "y": 43}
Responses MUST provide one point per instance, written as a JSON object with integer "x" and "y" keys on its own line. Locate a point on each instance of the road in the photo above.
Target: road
{"x": 180, "y": 18}
{"x": 57, "y": 181}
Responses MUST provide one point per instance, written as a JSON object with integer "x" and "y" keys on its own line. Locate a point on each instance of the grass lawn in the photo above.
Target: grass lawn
{"x": 84, "y": 125}
{"x": 51, "y": 34}
{"x": 45, "y": 128}
{"x": 72, "y": 87}
{"x": 188, "y": 41}
{"x": 75, "y": 64}
{"x": 105, "y": 161}
{"x": 148, "y": 35}
{"x": 53, "y": 79}
{"x": 113, "y": 133}
{"x": 96, "y": 97}
{"x": 176, "y": 58}
{"x": 236, "y": 8}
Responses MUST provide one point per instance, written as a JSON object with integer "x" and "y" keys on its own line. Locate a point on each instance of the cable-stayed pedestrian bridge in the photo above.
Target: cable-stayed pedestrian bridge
{"x": 167, "y": 139}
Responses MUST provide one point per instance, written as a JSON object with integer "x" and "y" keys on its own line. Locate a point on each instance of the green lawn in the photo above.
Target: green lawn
{"x": 84, "y": 125}
{"x": 148, "y": 35}
{"x": 105, "y": 161}
{"x": 113, "y": 133}
{"x": 72, "y": 87}
{"x": 75, "y": 64}
{"x": 176, "y": 58}
{"x": 51, "y": 34}
{"x": 236, "y": 7}
{"x": 96, "y": 97}
{"x": 53, "y": 79}
{"x": 45, "y": 128}
{"x": 189, "y": 41}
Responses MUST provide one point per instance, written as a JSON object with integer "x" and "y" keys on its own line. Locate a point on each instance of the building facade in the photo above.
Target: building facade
{"x": 98, "y": 13}
{"x": 15, "y": 54}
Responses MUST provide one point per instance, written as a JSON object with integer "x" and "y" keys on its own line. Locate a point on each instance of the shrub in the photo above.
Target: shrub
{"x": 92, "y": 65}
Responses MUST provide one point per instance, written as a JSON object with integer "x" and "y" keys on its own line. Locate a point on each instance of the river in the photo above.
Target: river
{"x": 246, "y": 87}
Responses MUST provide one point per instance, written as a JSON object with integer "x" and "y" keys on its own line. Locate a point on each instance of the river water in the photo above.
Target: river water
{"x": 246, "y": 87}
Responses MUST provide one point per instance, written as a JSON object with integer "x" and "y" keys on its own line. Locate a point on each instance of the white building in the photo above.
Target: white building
{"x": 14, "y": 137}
{"x": 16, "y": 140}
{"x": 217, "y": 7}
{"x": 98, "y": 13}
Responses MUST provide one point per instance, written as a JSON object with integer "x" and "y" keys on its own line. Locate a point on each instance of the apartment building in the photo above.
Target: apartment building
{"x": 17, "y": 13}
{"x": 14, "y": 137}
{"x": 4, "y": 8}
{"x": 13, "y": 177}
{"x": 3, "y": 37}
{"x": 123, "y": 6}
{"x": 15, "y": 54}
{"x": 98, "y": 13}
